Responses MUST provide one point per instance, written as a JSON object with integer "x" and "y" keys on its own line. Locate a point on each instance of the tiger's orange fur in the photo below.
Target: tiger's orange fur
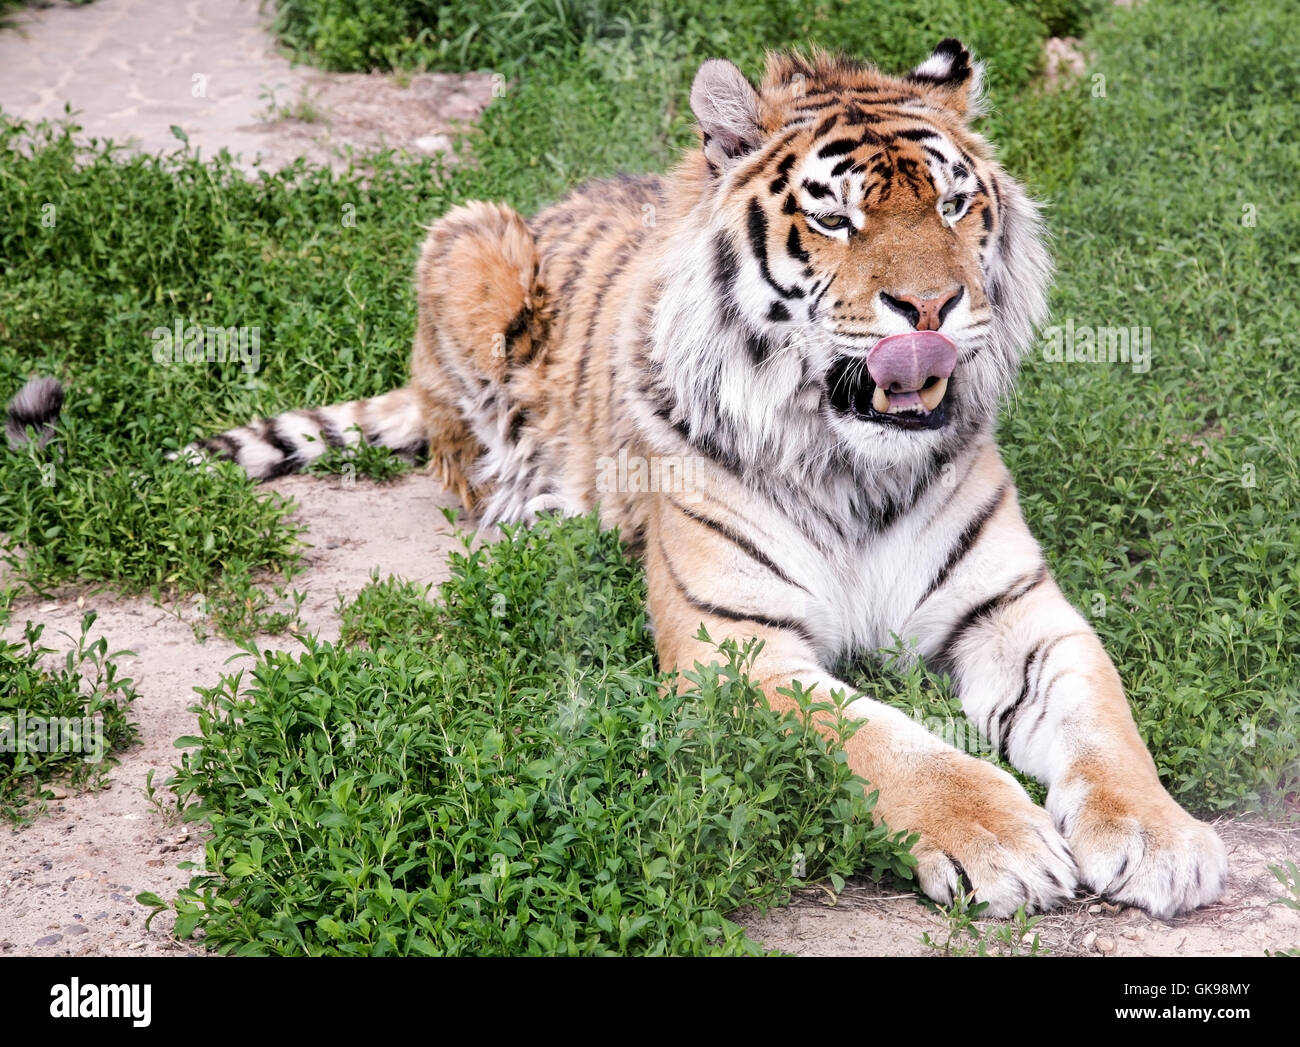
{"x": 722, "y": 319}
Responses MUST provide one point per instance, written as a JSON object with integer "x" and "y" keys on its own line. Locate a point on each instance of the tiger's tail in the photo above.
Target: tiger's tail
{"x": 35, "y": 406}
{"x": 290, "y": 442}
{"x": 266, "y": 448}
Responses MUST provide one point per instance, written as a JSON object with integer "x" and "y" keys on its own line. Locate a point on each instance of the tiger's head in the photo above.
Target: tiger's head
{"x": 873, "y": 273}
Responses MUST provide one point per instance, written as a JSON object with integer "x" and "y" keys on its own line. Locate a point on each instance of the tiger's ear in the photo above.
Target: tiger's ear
{"x": 726, "y": 105}
{"x": 953, "y": 78}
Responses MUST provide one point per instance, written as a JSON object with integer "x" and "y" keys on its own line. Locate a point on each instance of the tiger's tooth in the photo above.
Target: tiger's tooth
{"x": 880, "y": 401}
{"x": 931, "y": 397}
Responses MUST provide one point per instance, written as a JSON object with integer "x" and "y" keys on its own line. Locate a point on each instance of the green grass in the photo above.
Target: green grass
{"x": 1135, "y": 483}
{"x": 533, "y": 34}
{"x": 504, "y": 773}
{"x": 58, "y": 724}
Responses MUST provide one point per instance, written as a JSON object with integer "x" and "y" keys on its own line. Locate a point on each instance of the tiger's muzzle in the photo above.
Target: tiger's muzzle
{"x": 902, "y": 381}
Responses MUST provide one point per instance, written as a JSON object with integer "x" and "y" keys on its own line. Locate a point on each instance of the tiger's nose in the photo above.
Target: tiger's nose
{"x": 925, "y": 314}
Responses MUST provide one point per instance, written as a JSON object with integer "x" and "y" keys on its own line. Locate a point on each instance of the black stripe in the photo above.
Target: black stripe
{"x": 778, "y": 313}
{"x": 1046, "y": 692}
{"x": 328, "y": 430}
{"x": 726, "y": 267}
{"x": 749, "y": 548}
{"x": 794, "y": 245}
{"x": 760, "y": 164}
{"x": 912, "y": 175}
{"x": 732, "y": 615}
{"x": 819, "y": 190}
{"x": 1012, "y": 710}
{"x": 1038, "y": 655}
{"x": 956, "y": 489}
{"x": 518, "y": 323}
{"x": 757, "y": 227}
{"x": 270, "y": 432}
{"x": 935, "y": 153}
{"x": 757, "y": 344}
{"x": 517, "y": 423}
{"x": 965, "y": 541}
{"x": 517, "y": 326}
{"x": 985, "y": 610}
{"x": 778, "y": 184}
{"x": 825, "y": 125}
{"x": 837, "y": 148}
{"x": 918, "y": 134}
{"x": 963, "y": 880}
{"x": 222, "y": 444}
{"x": 709, "y": 445}
{"x": 283, "y": 467}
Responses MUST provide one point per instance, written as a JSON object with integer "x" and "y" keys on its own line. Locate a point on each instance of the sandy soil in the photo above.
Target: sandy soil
{"x": 133, "y": 69}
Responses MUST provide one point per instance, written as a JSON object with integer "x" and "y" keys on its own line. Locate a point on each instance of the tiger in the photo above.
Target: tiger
{"x": 809, "y": 324}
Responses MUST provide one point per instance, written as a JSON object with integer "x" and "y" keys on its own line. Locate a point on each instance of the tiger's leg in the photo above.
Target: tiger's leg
{"x": 1034, "y": 677}
{"x": 975, "y": 821}
{"x": 477, "y": 305}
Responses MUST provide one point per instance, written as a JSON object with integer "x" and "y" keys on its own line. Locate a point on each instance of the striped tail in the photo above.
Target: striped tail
{"x": 35, "y": 407}
{"x": 290, "y": 442}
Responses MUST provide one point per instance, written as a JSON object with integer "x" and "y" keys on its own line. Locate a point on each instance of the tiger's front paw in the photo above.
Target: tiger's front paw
{"x": 1144, "y": 851}
{"x": 978, "y": 825}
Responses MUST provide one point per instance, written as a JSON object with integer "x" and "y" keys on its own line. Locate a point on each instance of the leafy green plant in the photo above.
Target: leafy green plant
{"x": 1288, "y": 875}
{"x": 240, "y": 609}
{"x": 966, "y": 937}
{"x": 500, "y": 772}
{"x": 360, "y": 459}
{"x": 170, "y": 815}
{"x": 59, "y": 724}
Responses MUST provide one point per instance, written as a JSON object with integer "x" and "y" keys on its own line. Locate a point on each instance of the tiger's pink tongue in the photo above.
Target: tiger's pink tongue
{"x": 911, "y": 371}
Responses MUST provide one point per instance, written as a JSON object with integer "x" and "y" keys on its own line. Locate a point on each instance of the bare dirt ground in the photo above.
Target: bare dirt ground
{"x": 133, "y": 69}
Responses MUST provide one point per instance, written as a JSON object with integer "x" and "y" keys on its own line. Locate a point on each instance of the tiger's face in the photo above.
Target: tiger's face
{"x": 882, "y": 247}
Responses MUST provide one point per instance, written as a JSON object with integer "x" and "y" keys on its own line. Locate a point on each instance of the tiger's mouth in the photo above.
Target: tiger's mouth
{"x": 902, "y": 382}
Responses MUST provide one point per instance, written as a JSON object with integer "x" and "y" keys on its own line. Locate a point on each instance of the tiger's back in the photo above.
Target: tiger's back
{"x": 534, "y": 376}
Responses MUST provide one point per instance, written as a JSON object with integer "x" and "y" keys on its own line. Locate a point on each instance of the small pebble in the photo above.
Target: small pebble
{"x": 1094, "y": 909}
{"x": 1089, "y": 939}
{"x": 1105, "y": 945}
{"x": 49, "y": 939}
{"x": 76, "y": 928}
